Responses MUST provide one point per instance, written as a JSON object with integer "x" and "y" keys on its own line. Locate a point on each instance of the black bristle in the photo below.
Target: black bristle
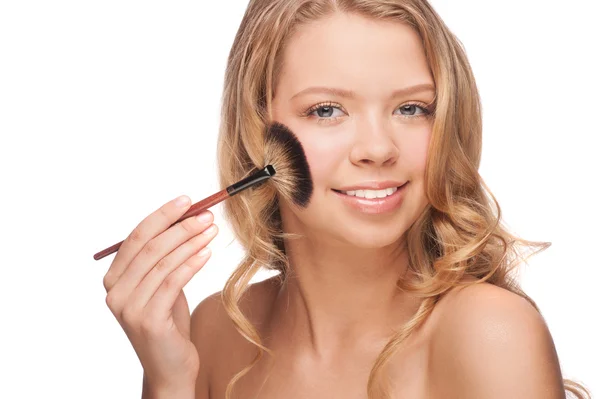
{"x": 302, "y": 189}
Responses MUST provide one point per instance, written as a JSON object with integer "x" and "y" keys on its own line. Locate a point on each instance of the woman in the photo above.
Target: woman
{"x": 410, "y": 297}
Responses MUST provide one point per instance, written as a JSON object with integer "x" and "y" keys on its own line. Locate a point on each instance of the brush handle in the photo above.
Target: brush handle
{"x": 195, "y": 209}
{"x": 254, "y": 179}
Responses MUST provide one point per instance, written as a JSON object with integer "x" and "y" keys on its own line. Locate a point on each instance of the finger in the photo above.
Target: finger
{"x": 154, "y": 279}
{"x": 157, "y": 254}
{"x": 153, "y": 225}
{"x": 161, "y": 304}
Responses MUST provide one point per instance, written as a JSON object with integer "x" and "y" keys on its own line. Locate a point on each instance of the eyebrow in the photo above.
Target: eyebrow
{"x": 351, "y": 94}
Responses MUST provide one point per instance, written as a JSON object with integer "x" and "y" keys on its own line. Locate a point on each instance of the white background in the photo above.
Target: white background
{"x": 110, "y": 109}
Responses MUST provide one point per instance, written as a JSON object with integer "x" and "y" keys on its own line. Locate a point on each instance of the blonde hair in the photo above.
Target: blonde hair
{"x": 458, "y": 234}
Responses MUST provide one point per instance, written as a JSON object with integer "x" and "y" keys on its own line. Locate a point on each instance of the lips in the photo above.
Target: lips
{"x": 374, "y": 205}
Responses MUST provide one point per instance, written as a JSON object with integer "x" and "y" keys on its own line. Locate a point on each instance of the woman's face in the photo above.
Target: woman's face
{"x": 361, "y": 132}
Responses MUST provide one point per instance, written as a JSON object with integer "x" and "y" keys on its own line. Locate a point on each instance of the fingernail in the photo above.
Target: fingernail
{"x": 182, "y": 201}
{"x": 210, "y": 231}
{"x": 204, "y": 217}
{"x": 204, "y": 252}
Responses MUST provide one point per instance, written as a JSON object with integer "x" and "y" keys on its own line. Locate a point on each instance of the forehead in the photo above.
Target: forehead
{"x": 354, "y": 52}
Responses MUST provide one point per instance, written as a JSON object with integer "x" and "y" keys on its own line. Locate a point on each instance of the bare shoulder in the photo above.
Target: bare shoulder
{"x": 491, "y": 343}
{"x": 210, "y": 317}
{"x": 212, "y": 330}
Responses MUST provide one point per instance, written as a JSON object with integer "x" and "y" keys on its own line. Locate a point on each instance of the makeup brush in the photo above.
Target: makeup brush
{"x": 285, "y": 153}
{"x": 286, "y": 166}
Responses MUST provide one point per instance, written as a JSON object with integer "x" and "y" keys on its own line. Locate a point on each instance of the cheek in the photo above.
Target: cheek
{"x": 415, "y": 151}
{"x": 323, "y": 151}
{"x": 323, "y": 155}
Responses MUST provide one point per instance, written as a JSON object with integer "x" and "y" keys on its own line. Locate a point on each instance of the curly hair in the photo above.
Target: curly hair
{"x": 459, "y": 234}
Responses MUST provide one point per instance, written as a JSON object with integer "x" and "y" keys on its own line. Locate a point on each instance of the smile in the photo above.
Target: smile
{"x": 373, "y": 201}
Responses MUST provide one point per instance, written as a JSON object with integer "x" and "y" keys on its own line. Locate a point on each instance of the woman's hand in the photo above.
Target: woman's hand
{"x": 144, "y": 291}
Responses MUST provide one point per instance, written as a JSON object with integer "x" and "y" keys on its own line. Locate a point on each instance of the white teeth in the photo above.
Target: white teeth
{"x": 369, "y": 194}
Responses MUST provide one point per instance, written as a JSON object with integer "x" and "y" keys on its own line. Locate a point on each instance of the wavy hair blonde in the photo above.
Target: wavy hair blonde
{"x": 460, "y": 234}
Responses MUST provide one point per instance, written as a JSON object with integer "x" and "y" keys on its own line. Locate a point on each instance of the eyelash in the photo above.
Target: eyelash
{"x": 427, "y": 111}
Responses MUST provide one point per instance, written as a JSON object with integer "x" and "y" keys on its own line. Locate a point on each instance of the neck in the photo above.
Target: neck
{"x": 337, "y": 297}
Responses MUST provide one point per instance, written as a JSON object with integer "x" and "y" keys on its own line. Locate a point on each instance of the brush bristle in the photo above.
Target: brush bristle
{"x": 285, "y": 153}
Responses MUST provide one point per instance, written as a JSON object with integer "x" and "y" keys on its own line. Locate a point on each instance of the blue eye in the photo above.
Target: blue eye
{"x": 323, "y": 110}
{"x": 412, "y": 107}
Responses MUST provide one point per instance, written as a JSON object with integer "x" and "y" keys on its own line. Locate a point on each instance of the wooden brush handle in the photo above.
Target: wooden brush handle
{"x": 194, "y": 210}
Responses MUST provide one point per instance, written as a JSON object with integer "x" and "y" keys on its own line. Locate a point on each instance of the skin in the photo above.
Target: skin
{"x": 334, "y": 315}
{"x": 343, "y": 288}
{"x": 144, "y": 291}
{"x": 341, "y": 302}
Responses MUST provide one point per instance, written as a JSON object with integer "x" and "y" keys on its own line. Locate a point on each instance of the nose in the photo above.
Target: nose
{"x": 374, "y": 146}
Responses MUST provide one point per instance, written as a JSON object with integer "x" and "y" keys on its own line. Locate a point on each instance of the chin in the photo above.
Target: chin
{"x": 370, "y": 237}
